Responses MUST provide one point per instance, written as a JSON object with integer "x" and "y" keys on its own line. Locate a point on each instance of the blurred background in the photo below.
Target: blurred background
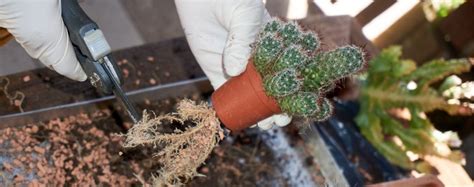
{"x": 425, "y": 29}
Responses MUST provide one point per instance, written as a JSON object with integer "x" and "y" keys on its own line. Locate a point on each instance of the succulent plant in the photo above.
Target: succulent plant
{"x": 282, "y": 83}
{"x": 290, "y": 32}
{"x": 266, "y": 51}
{"x": 325, "y": 110}
{"x": 305, "y": 104}
{"x": 310, "y": 42}
{"x": 325, "y": 68}
{"x": 386, "y": 87}
{"x": 296, "y": 73}
{"x": 290, "y": 58}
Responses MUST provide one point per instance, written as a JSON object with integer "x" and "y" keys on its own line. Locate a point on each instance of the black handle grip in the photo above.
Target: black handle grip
{"x": 78, "y": 23}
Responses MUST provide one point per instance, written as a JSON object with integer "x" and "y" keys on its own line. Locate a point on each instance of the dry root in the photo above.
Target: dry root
{"x": 182, "y": 151}
{"x": 17, "y": 98}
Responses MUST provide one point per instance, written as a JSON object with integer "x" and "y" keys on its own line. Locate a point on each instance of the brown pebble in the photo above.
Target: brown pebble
{"x": 19, "y": 178}
{"x": 26, "y": 78}
{"x": 17, "y": 103}
{"x": 150, "y": 59}
{"x": 127, "y": 125}
{"x": 125, "y": 72}
{"x": 28, "y": 149}
{"x": 167, "y": 74}
{"x": 34, "y": 129}
{"x": 152, "y": 81}
{"x": 219, "y": 152}
{"x": 204, "y": 170}
{"x": 7, "y": 166}
{"x": 17, "y": 162}
{"x": 39, "y": 150}
{"x": 41, "y": 168}
{"x": 34, "y": 183}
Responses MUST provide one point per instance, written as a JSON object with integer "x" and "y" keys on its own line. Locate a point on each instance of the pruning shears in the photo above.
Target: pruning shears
{"x": 93, "y": 52}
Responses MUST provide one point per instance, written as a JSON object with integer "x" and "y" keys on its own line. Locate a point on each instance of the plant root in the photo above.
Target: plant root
{"x": 15, "y": 99}
{"x": 180, "y": 152}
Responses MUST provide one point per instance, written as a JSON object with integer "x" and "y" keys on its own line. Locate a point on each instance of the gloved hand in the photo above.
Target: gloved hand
{"x": 219, "y": 33}
{"x": 38, "y": 27}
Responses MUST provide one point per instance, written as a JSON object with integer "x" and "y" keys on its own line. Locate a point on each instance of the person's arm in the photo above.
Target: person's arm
{"x": 220, "y": 33}
{"x": 38, "y": 27}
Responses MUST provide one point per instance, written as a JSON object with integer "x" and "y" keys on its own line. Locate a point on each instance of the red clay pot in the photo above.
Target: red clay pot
{"x": 242, "y": 101}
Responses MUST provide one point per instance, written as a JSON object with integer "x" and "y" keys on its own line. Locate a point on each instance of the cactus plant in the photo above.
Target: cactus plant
{"x": 304, "y": 103}
{"x": 393, "y": 83}
{"x": 266, "y": 52}
{"x": 296, "y": 73}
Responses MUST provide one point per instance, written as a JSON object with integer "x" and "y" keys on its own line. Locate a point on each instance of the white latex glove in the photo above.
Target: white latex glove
{"x": 37, "y": 25}
{"x": 219, "y": 33}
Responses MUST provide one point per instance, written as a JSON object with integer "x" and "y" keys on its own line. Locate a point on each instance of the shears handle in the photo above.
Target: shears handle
{"x": 91, "y": 48}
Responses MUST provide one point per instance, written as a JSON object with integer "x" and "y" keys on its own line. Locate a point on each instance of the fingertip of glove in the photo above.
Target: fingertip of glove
{"x": 266, "y": 123}
{"x": 234, "y": 70}
{"x": 82, "y": 77}
{"x": 265, "y": 126}
{"x": 72, "y": 70}
{"x": 282, "y": 120}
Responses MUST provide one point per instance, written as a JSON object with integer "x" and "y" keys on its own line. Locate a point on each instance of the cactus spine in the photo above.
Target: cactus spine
{"x": 296, "y": 73}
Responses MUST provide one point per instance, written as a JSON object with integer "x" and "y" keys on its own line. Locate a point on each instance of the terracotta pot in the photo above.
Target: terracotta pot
{"x": 242, "y": 102}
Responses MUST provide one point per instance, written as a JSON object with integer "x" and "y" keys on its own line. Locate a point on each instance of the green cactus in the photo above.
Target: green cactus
{"x": 325, "y": 110}
{"x": 291, "y": 73}
{"x": 305, "y": 104}
{"x": 290, "y": 32}
{"x": 292, "y": 57}
{"x": 386, "y": 88}
{"x": 272, "y": 26}
{"x": 310, "y": 42}
{"x": 325, "y": 68}
{"x": 266, "y": 51}
{"x": 282, "y": 84}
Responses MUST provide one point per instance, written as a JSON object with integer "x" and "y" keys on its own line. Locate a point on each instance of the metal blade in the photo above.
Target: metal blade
{"x": 119, "y": 92}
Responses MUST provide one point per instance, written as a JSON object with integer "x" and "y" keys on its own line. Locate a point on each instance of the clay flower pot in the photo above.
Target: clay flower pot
{"x": 242, "y": 101}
